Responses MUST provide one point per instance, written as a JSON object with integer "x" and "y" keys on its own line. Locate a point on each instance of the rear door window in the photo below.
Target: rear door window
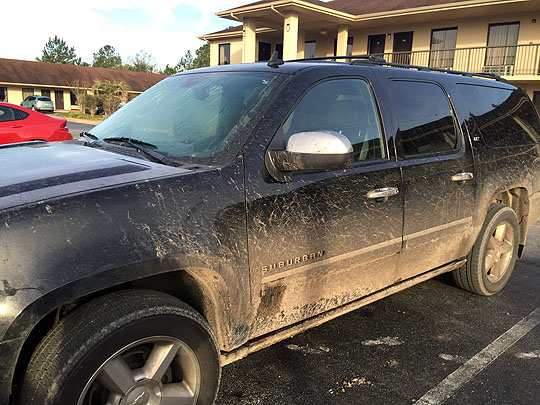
{"x": 425, "y": 118}
{"x": 345, "y": 106}
{"x": 6, "y": 114}
{"x": 503, "y": 117}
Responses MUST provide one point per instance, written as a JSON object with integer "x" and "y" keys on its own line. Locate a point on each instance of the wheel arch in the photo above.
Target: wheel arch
{"x": 202, "y": 289}
{"x": 516, "y": 198}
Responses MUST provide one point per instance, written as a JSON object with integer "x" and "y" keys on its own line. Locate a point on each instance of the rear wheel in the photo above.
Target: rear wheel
{"x": 133, "y": 347}
{"x": 493, "y": 256}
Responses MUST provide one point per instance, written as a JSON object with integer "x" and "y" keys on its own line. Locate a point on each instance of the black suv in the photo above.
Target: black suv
{"x": 228, "y": 208}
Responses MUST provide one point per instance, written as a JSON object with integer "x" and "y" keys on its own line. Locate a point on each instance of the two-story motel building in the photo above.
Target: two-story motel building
{"x": 490, "y": 36}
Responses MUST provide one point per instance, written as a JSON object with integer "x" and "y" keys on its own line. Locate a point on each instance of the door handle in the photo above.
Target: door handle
{"x": 462, "y": 177}
{"x": 16, "y": 126}
{"x": 380, "y": 193}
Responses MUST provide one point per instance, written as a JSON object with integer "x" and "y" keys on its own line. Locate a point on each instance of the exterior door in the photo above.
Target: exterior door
{"x": 402, "y": 47}
{"x": 58, "y": 100}
{"x": 376, "y": 44}
{"x": 439, "y": 178}
{"x": 318, "y": 241}
{"x": 265, "y": 51}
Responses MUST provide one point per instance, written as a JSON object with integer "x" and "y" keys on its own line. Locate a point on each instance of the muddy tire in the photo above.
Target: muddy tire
{"x": 493, "y": 256}
{"x": 134, "y": 346}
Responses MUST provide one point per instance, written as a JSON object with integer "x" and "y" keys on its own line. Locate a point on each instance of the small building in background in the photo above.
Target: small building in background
{"x": 478, "y": 36}
{"x": 20, "y": 79}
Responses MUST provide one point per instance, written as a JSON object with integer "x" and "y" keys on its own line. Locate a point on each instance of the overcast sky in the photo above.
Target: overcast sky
{"x": 164, "y": 28}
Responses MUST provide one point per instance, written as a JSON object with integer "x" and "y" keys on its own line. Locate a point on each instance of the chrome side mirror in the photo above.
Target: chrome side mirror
{"x": 314, "y": 150}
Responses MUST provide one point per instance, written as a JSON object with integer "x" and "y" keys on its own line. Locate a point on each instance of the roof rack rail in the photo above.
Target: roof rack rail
{"x": 357, "y": 58}
{"x": 377, "y": 60}
{"x": 442, "y": 70}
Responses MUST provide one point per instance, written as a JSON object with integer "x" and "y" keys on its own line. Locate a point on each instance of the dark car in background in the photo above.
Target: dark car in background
{"x": 18, "y": 124}
{"x": 267, "y": 199}
{"x": 38, "y": 103}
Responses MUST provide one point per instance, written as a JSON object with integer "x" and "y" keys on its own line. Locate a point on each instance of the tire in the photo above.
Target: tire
{"x": 134, "y": 346}
{"x": 492, "y": 259}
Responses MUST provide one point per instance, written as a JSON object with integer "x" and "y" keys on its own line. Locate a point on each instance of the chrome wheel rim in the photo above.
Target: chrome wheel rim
{"x": 154, "y": 371}
{"x": 500, "y": 249}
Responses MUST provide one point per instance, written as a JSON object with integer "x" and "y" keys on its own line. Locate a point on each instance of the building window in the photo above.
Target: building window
{"x": 3, "y": 94}
{"x": 73, "y": 98}
{"x": 309, "y": 49}
{"x": 501, "y": 52}
{"x": 46, "y": 93}
{"x": 224, "y": 54}
{"x": 376, "y": 44}
{"x": 443, "y": 44}
{"x": 27, "y": 92}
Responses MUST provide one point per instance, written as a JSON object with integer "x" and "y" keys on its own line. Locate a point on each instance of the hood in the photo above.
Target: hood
{"x": 32, "y": 172}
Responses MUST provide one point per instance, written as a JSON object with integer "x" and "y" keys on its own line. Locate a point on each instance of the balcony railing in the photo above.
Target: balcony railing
{"x": 516, "y": 60}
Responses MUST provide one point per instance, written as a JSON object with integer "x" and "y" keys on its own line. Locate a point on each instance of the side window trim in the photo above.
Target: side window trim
{"x": 457, "y": 150}
{"x": 389, "y": 157}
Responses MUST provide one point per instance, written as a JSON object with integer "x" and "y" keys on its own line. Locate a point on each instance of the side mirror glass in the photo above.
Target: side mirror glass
{"x": 314, "y": 150}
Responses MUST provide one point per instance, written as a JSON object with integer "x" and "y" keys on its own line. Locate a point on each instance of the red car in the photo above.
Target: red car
{"x": 19, "y": 124}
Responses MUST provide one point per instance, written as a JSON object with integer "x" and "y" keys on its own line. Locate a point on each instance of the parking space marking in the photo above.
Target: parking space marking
{"x": 447, "y": 387}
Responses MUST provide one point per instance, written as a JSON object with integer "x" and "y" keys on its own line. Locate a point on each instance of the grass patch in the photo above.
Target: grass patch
{"x": 80, "y": 115}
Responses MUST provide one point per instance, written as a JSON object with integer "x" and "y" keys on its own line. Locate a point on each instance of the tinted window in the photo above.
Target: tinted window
{"x": 20, "y": 115}
{"x": 6, "y": 114}
{"x": 426, "y": 123}
{"x": 345, "y": 106}
{"x": 44, "y": 99}
{"x": 503, "y": 117}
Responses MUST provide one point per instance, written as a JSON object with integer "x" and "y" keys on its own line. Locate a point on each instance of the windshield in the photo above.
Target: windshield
{"x": 200, "y": 118}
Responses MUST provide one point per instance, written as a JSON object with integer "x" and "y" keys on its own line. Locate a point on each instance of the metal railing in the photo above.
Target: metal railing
{"x": 514, "y": 60}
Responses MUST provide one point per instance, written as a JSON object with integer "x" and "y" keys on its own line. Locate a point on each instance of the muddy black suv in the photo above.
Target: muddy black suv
{"x": 267, "y": 199}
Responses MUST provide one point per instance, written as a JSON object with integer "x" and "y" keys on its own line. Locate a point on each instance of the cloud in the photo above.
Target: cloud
{"x": 164, "y": 28}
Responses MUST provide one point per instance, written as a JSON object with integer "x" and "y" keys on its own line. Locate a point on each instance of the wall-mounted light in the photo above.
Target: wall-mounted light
{"x": 288, "y": 28}
{"x": 324, "y": 32}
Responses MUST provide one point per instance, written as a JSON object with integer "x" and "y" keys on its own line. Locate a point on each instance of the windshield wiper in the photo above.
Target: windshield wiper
{"x": 91, "y": 139}
{"x": 136, "y": 144}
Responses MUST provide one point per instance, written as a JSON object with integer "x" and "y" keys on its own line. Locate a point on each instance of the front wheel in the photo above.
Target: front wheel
{"x": 133, "y": 347}
{"x": 493, "y": 256}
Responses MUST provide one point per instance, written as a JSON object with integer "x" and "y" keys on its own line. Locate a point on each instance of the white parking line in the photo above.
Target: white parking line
{"x": 447, "y": 387}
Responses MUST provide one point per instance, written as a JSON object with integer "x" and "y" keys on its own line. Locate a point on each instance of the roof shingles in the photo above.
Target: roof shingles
{"x": 360, "y": 7}
{"x": 53, "y": 74}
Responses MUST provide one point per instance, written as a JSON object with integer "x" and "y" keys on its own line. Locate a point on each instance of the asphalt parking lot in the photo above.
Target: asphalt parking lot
{"x": 76, "y": 128}
{"x": 403, "y": 347}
